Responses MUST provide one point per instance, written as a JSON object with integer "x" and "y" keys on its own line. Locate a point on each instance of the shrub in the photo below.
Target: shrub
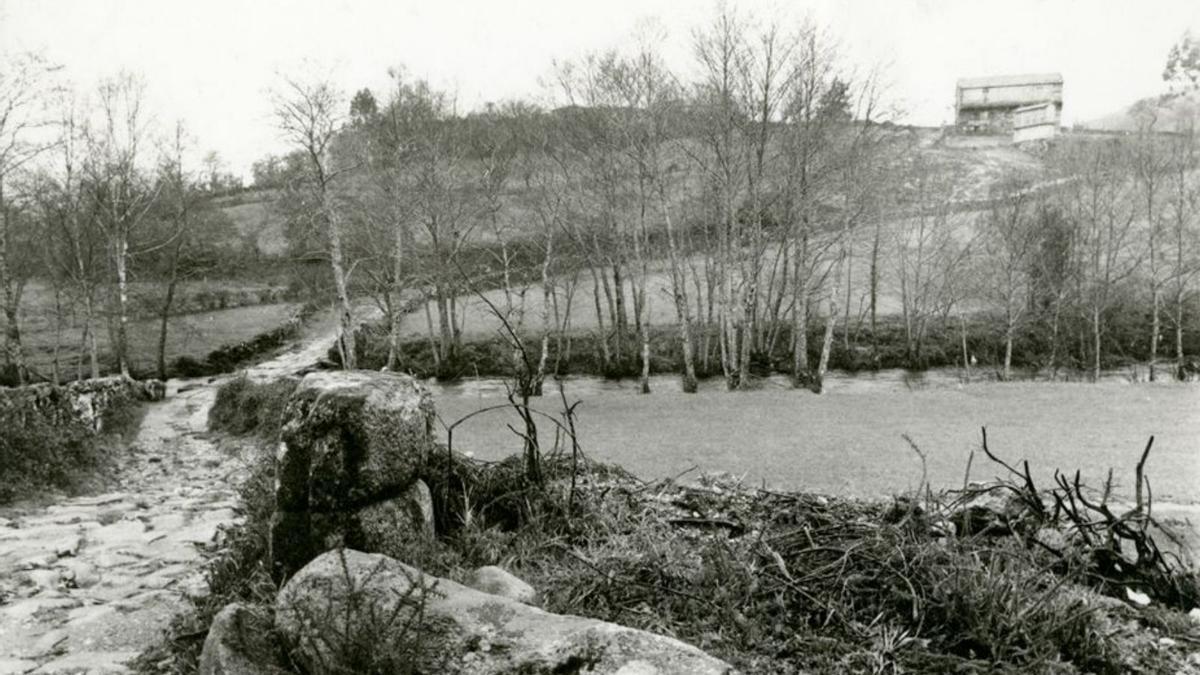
{"x": 38, "y": 454}
{"x": 354, "y": 635}
{"x": 187, "y": 366}
{"x": 245, "y": 407}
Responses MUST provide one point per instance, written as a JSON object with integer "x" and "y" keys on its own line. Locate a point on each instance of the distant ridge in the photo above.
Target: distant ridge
{"x": 1166, "y": 113}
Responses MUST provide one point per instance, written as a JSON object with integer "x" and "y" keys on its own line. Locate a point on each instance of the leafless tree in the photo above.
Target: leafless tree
{"x": 307, "y": 114}
{"x": 121, "y": 190}
{"x": 25, "y": 83}
{"x": 1103, "y": 207}
{"x": 1010, "y": 239}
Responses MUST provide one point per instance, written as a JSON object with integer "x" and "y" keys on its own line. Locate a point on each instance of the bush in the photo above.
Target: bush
{"x": 244, "y": 407}
{"x": 186, "y": 366}
{"x": 38, "y": 454}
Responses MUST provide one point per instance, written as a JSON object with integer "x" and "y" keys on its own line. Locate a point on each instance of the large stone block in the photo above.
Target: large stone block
{"x": 470, "y": 632}
{"x": 353, "y": 443}
{"x": 351, "y": 438}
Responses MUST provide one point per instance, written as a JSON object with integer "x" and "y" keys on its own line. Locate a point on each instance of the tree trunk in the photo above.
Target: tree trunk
{"x": 12, "y": 339}
{"x": 165, "y": 313}
{"x": 89, "y": 330}
{"x": 601, "y": 338}
{"x": 445, "y": 332}
{"x": 433, "y": 344}
{"x": 13, "y": 353}
{"x": 122, "y": 341}
{"x": 645, "y": 357}
{"x": 396, "y": 301}
{"x": 621, "y": 319}
{"x": 1096, "y": 343}
{"x": 1155, "y": 327}
{"x": 800, "y": 367}
{"x": 1179, "y": 371}
{"x": 55, "y": 357}
{"x": 744, "y": 360}
{"x": 1054, "y": 338}
{"x": 966, "y": 356}
{"x": 826, "y": 345}
{"x": 1008, "y": 350}
{"x": 547, "y": 310}
{"x": 682, "y": 310}
{"x": 874, "y": 291}
{"x": 345, "y": 312}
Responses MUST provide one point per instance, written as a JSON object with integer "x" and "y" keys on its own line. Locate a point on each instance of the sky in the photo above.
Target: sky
{"x": 213, "y": 63}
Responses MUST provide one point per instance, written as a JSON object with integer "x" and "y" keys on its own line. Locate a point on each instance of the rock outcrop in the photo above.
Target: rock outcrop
{"x": 499, "y": 581}
{"x": 468, "y": 631}
{"x": 238, "y": 643}
{"x": 347, "y": 468}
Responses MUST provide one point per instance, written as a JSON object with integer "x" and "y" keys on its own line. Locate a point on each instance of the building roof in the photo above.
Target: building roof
{"x": 1010, "y": 80}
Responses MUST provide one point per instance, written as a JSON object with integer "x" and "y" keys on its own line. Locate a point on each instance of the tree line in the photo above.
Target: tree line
{"x": 760, "y": 195}
{"x": 756, "y": 208}
{"x": 93, "y": 199}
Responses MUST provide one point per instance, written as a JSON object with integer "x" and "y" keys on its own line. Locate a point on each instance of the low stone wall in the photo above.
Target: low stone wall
{"x": 84, "y": 401}
{"x": 227, "y": 358}
{"x": 208, "y": 300}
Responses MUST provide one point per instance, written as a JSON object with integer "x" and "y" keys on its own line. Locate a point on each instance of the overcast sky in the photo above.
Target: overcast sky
{"x": 213, "y": 62}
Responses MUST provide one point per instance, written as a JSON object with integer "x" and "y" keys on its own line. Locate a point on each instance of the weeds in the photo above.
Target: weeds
{"x": 354, "y": 633}
{"x": 246, "y": 407}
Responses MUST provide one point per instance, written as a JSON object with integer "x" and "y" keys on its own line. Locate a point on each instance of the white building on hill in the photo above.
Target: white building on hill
{"x": 990, "y": 104}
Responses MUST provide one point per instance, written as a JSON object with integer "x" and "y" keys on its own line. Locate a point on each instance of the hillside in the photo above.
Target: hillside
{"x": 1166, "y": 113}
{"x": 976, "y": 163}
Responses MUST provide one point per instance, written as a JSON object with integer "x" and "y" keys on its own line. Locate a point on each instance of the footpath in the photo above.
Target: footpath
{"x": 88, "y": 583}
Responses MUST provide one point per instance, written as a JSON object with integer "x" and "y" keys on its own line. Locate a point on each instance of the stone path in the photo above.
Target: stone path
{"x": 88, "y": 583}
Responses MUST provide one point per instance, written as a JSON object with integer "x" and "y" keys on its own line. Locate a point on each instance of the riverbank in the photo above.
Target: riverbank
{"x": 579, "y": 352}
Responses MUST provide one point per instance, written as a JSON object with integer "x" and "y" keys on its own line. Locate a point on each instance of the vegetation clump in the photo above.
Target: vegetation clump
{"x": 39, "y": 454}
{"x": 244, "y": 407}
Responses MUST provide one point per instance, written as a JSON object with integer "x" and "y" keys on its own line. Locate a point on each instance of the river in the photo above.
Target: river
{"x": 850, "y": 440}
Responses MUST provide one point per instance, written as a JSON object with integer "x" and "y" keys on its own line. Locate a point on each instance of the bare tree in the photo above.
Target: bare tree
{"x": 121, "y": 190}
{"x": 73, "y": 242}
{"x": 25, "y": 80}
{"x": 1010, "y": 238}
{"x": 1181, "y": 252}
{"x": 1102, "y": 205}
{"x": 307, "y": 114}
{"x": 930, "y": 245}
{"x": 1149, "y": 165}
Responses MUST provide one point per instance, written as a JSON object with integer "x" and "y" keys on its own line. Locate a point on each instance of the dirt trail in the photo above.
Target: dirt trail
{"x": 88, "y": 583}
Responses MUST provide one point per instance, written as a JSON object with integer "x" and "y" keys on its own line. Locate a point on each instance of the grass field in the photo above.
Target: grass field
{"x": 193, "y": 335}
{"x": 848, "y": 441}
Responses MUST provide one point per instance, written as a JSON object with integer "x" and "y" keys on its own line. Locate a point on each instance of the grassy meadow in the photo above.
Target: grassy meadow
{"x": 194, "y": 335}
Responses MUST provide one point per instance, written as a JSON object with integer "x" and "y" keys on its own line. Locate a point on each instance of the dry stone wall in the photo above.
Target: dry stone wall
{"x": 83, "y": 402}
